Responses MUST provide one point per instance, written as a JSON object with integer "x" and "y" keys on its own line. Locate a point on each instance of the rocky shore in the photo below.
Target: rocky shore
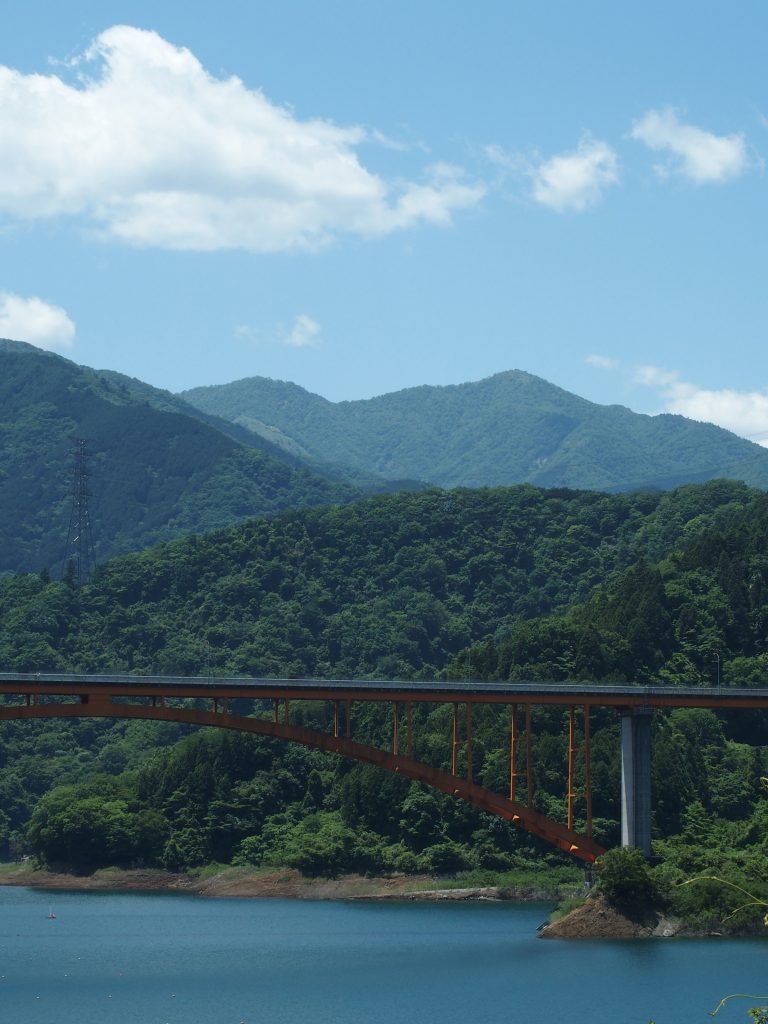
{"x": 597, "y": 919}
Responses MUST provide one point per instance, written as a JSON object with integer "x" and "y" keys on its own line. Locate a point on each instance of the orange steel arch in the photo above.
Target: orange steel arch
{"x": 580, "y": 846}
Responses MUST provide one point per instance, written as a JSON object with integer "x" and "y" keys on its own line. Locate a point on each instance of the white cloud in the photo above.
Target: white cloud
{"x": 743, "y": 412}
{"x": 602, "y": 362}
{"x": 304, "y": 333}
{"x": 388, "y": 143}
{"x": 697, "y": 155}
{"x": 35, "y": 321}
{"x": 155, "y": 151}
{"x": 576, "y": 180}
{"x": 508, "y": 161}
{"x": 248, "y": 333}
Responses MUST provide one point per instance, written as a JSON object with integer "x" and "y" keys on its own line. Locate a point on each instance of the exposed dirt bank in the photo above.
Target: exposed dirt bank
{"x": 277, "y": 884}
{"x": 137, "y": 880}
{"x": 597, "y": 919}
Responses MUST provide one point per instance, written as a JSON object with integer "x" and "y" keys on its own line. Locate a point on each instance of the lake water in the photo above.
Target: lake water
{"x": 123, "y": 958}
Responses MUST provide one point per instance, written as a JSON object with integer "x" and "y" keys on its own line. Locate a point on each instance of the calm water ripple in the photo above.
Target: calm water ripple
{"x": 124, "y": 958}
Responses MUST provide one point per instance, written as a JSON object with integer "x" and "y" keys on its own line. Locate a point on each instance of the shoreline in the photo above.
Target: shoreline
{"x": 594, "y": 919}
{"x": 276, "y": 883}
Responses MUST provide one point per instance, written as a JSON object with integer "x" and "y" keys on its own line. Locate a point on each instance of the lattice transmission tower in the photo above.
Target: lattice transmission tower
{"x": 79, "y": 560}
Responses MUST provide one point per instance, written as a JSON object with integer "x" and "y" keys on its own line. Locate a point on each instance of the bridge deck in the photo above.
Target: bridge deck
{"x": 523, "y": 692}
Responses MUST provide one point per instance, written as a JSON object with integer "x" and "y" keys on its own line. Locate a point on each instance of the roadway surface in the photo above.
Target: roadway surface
{"x": 521, "y": 692}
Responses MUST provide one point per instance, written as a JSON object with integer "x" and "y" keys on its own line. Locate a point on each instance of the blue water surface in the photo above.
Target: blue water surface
{"x": 126, "y": 958}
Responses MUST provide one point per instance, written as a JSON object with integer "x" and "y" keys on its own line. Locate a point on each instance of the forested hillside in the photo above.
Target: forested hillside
{"x": 547, "y": 584}
{"x": 278, "y": 447}
{"x": 699, "y": 615}
{"x": 155, "y": 473}
{"x": 395, "y": 585}
{"x": 506, "y": 429}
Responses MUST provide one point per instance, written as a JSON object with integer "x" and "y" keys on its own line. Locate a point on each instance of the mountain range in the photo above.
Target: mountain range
{"x": 509, "y": 428}
{"x": 164, "y": 465}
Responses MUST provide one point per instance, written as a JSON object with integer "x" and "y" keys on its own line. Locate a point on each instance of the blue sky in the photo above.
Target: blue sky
{"x": 365, "y": 196}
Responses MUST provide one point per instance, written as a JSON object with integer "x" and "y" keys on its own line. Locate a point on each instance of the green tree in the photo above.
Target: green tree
{"x": 625, "y": 880}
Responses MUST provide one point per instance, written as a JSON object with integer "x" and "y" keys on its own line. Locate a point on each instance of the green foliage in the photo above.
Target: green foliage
{"x": 445, "y": 858}
{"x": 157, "y": 469}
{"x": 625, "y": 879}
{"x": 695, "y": 616}
{"x": 509, "y": 428}
{"x": 87, "y": 826}
{"x": 393, "y": 586}
{"x": 548, "y": 585}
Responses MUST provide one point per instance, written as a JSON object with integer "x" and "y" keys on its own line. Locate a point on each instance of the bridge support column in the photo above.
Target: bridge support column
{"x": 636, "y": 779}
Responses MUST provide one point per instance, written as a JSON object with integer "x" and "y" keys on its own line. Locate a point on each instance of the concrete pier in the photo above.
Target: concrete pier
{"x": 636, "y": 778}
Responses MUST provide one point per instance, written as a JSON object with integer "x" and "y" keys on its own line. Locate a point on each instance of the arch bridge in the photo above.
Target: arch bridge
{"x": 64, "y": 695}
